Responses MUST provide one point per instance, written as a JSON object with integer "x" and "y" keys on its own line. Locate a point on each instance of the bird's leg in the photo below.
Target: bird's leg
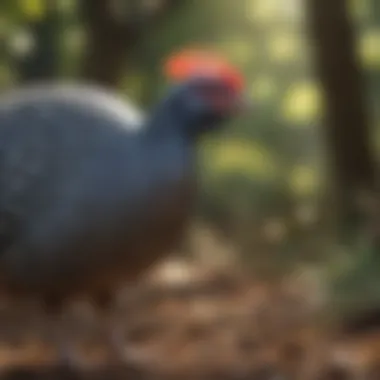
{"x": 113, "y": 327}
{"x": 115, "y": 314}
{"x": 116, "y": 337}
{"x": 59, "y": 331}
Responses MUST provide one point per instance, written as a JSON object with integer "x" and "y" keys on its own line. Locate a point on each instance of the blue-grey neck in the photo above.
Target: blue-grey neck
{"x": 180, "y": 115}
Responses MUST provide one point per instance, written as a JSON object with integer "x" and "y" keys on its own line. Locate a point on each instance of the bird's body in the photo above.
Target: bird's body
{"x": 90, "y": 196}
{"x": 92, "y": 193}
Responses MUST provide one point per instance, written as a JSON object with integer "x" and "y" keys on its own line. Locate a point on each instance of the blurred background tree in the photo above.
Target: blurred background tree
{"x": 291, "y": 179}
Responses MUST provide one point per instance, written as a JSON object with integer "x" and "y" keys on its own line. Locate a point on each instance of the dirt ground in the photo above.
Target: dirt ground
{"x": 219, "y": 328}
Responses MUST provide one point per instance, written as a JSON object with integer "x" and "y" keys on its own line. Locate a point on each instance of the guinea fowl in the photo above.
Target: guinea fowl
{"x": 92, "y": 193}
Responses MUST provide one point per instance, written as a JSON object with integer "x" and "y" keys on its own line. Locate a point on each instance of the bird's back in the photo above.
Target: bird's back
{"x": 85, "y": 97}
{"x": 75, "y": 187}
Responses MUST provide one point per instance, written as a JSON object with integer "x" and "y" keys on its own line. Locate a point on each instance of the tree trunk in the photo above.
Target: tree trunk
{"x": 346, "y": 119}
{"x": 42, "y": 61}
{"x": 112, "y": 34}
{"x": 106, "y": 44}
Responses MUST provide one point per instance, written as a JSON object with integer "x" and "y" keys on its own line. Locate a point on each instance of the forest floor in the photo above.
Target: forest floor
{"x": 223, "y": 327}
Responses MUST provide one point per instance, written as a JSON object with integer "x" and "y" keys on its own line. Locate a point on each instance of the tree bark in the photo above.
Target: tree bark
{"x": 111, "y": 36}
{"x": 346, "y": 119}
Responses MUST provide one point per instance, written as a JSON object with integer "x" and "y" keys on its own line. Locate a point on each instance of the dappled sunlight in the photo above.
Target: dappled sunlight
{"x": 240, "y": 156}
{"x": 285, "y": 48}
{"x": 33, "y": 9}
{"x": 263, "y": 11}
{"x": 302, "y": 103}
{"x": 280, "y": 246}
{"x": 303, "y": 181}
{"x": 369, "y": 49}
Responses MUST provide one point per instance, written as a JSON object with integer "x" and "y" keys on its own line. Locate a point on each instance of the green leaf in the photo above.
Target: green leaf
{"x": 33, "y": 9}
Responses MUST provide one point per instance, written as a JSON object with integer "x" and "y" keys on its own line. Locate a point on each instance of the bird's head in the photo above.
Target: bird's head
{"x": 208, "y": 90}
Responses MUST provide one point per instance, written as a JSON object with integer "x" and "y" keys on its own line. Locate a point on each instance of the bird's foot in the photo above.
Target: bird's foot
{"x": 116, "y": 345}
{"x": 123, "y": 352}
{"x": 67, "y": 357}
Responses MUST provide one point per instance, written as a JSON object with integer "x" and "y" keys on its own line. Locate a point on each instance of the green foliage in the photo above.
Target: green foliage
{"x": 267, "y": 163}
{"x": 354, "y": 282}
